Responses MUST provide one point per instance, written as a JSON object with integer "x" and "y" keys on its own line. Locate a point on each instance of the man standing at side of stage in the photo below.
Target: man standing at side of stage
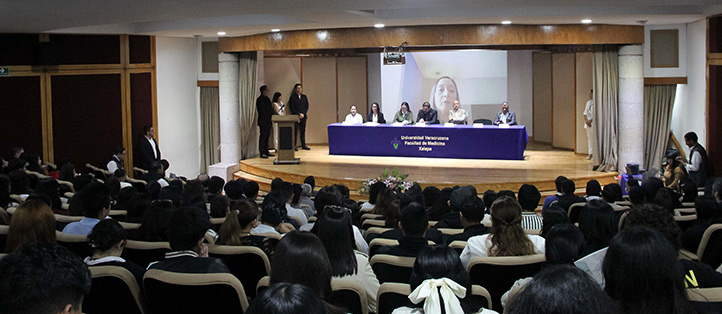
{"x": 299, "y": 105}
{"x": 588, "y": 118}
{"x": 265, "y": 111}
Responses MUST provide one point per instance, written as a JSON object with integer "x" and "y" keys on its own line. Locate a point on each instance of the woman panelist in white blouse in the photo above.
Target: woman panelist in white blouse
{"x": 375, "y": 116}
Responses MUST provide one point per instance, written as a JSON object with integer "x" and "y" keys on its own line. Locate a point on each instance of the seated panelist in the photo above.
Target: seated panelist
{"x": 505, "y": 116}
{"x": 353, "y": 117}
{"x": 375, "y": 116}
{"x": 427, "y": 114}
{"x": 404, "y": 115}
{"x": 457, "y": 115}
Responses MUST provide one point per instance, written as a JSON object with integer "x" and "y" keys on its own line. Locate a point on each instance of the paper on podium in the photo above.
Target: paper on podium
{"x": 592, "y": 265}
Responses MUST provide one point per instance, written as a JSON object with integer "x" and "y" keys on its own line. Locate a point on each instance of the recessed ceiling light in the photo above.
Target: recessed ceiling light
{"x": 586, "y": 21}
{"x": 275, "y": 30}
{"x": 221, "y": 33}
{"x": 506, "y": 22}
{"x": 379, "y": 25}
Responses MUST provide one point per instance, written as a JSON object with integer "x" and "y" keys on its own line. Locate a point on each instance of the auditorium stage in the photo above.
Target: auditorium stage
{"x": 541, "y": 165}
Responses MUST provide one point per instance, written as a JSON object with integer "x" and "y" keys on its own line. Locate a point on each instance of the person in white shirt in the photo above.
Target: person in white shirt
{"x": 457, "y": 115}
{"x": 507, "y": 237}
{"x": 118, "y": 160}
{"x": 375, "y": 116}
{"x": 354, "y": 117}
{"x": 697, "y": 166}
{"x": 271, "y": 221}
{"x": 588, "y": 119}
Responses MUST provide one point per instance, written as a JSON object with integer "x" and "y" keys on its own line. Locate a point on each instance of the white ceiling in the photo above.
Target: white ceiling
{"x": 185, "y": 18}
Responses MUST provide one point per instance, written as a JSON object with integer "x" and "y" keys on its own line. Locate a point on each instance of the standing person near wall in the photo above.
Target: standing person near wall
{"x": 588, "y": 118}
{"x": 299, "y": 105}
{"x": 265, "y": 111}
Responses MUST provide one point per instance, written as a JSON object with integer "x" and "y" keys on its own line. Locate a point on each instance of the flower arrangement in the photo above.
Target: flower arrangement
{"x": 393, "y": 181}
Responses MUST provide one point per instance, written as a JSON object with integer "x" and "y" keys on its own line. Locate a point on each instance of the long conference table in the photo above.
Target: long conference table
{"x": 439, "y": 141}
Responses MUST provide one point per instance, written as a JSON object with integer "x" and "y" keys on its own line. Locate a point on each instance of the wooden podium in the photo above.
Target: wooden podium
{"x": 286, "y": 134}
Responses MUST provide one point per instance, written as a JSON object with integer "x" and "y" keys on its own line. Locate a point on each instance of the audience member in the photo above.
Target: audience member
{"x": 598, "y": 223}
{"x": 50, "y": 188}
{"x": 107, "y": 241}
{"x": 651, "y": 187}
{"x": 220, "y": 207}
{"x": 471, "y": 215}
{"x": 234, "y": 190}
{"x": 568, "y": 197}
{"x": 413, "y": 224}
{"x": 310, "y": 180}
{"x": 441, "y": 207}
{"x": 438, "y": 273}
{"x": 388, "y": 206}
{"x": 154, "y": 226}
{"x": 675, "y": 172}
{"x": 117, "y": 161}
{"x": 19, "y": 182}
{"x": 549, "y": 199}
{"x": 215, "y": 187}
{"x": 708, "y": 213}
{"x": 552, "y": 216}
{"x": 95, "y": 202}
{"x": 594, "y": 190}
{"x": 271, "y": 220}
{"x": 250, "y": 190}
{"x": 458, "y": 197}
{"x": 507, "y": 238}
{"x": 187, "y": 227}
{"x": 668, "y": 199}
{"x": 529, "y": 197}
{"x": 236, "y": 229}
{"x": 137, "y": 207}
{"x": 33, "y": 222}
{"x": 287, "y": 298}
{"x": 4, "y": 191}
{"x": 636, "y": 196}
{"x": 336, "y": 233}
{"x": 43, "y": 279}
{"x": 641, "y": 274}
{"x": 306, "y": 200}
{"x": 374, "y": 190}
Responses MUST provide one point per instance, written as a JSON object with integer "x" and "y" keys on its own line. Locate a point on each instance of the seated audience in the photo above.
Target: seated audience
{"x": 154, "y": 226}
{"x": 636, "y": 196}
{"x": 33, "y": 222}
{"x": 374, "y": 190}
{"x": 458, "y": 197}
{"x": 236, "y": 229}
{"x": 529, "y": 197}
{"x": 215, "y": 187}
{"x": 19, "y": 182}
{"x": 272, "y": 218}
{"x": 598, "y": 223}
{"x": 310, "y": 180}
{"x": 651, "y": 187}
{"x": 675, "y": 172}
{"x": 95, "y": 203}
{"x": 438, "y": 273}
{"x": 507, "y": 238}
{"x": 347, "y": 263}
{"x": 292, "y": 212}
{"x": 220, "y": 207}
{"x": 594, "y": 190}
{"x": 471, "y": 215}
{"x": 641, "y": 274}
{"x": 552, "y": 216}
{"x": 689, "y": 191}
{"x": 187, "y": 227}
{"x": 668, "y": 199}
{"x": 156, "y": 173}
{"x": 549, "y": 199}
{"x": 43, "y": 279}
{"x": 250, "y": 190}
{"x": 568, "y": 197}
{"x": 234, "y": 190}
{"x": 413, "y": 224}
{"x": 708, "y": 213}
{"x": 107, "y": 241}
{"x": 388, "y": 206}
{"x": 137, "y": 207}
{"x": 287, "y": 298}
{"x": 306, "y": 200}
{"x": 562, "y": 289}
{"x": 117, "y": 161}
{"x": 51, "y": 189}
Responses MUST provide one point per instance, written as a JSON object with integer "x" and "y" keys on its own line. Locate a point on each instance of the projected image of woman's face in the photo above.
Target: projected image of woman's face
{"x": 445, "y": 94}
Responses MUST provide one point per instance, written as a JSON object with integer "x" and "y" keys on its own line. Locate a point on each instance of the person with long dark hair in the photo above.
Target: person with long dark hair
{"x": 298, "y": 102}
{"x": 107, "y": 241}
{"x": 598, "y": 223}
{"x": 641, "y": 274}
{"x": 552, "y": 216}
{"x": 375, "y": 116}
{"x": 507, "y": 237}
{"x": 674, "y": 172}
{"x": 439, "y": 283}
{"x": 287, "y": 298}
{"x": 154, "y": 226}
{"x": 347, "y": 263}
{"x": 236, "y": 229}
{"x": 33, "y": 222}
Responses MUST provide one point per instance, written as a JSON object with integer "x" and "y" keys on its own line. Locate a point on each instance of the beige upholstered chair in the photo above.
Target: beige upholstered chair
{"x": 180, "y": 293}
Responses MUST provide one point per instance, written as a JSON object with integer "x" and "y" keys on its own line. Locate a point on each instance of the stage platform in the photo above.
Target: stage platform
{"x": 541, "y": 165}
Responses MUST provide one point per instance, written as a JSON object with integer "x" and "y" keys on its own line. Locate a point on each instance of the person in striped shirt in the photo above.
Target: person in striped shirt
{"x": 529, "y": 197}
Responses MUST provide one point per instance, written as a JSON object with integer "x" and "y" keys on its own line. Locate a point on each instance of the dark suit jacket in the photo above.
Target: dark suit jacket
{"x": 145, "y": 151}
{"x": 567, "y": 200}
{"x": 192, "y": 265}
{"x": 265, "y": 110}
{"x": 510, "y": 119}
{"x": 431, "y": 117}
{"x": 450, "y": 220}
{"x": 408, "y": 247}
{"x": 370, "y": 117}
{"x": 298, "y": 105}
{"x": 395, "y": 234}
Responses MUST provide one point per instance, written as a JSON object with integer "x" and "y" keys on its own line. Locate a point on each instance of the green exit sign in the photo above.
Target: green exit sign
{"x": 4, "y": 71}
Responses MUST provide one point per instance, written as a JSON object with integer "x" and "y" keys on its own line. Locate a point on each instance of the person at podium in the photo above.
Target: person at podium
{"x": 353, "y": 117}
{"x": 404, "y": 115}
{"x": 375, "y": 116}
{"x": 427, "y": 114}
{"x": 457, "y": 115}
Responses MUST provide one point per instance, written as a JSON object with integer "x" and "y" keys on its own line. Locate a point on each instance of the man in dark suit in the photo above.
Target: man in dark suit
{"x": 427, "y": 114}
{"x": 265, "y": 111}
{"x": 148, "y": 149}
{"x": 505, "y": 116}
{"x": 299, "y": 105}
{"x": 186, "y": 228}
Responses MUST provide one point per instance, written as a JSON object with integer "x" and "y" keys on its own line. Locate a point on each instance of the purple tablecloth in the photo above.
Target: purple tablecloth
{"x": 460, "y": 141}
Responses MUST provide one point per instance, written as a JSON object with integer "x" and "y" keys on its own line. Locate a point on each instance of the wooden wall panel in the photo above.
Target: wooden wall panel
{"x": 139, "y": 49}
{"x": 714, "y": 112}
{"x": 584, "y": 83}
{"x": 86, "y": 49}
{"x": 280, "y": 74}
{"x": 319, "y": 84}
{"x": 542, "y": 96}
{"x": 437, "y": 35}
{"x": 141, "y": 104}
{"x": 87, "y": 118}
{"x": 21, "y": 113}
{"x": 352, "y": 87}
{"x": 563, "y": 99}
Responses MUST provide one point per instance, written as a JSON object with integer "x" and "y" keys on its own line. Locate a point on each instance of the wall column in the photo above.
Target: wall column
{"x": 229, "y": 108}
{"x": 631, "y": 106}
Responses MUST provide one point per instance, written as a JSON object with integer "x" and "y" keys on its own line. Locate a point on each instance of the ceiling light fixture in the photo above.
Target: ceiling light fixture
{"x": 586, "y": 21}
{"x": 507, "y": 22}
{"x": 275, "y": 30}
{"x": 221, "y": 33}
{"x": 379, "y": 25}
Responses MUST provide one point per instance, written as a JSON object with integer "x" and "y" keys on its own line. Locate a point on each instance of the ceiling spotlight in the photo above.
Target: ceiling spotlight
{"x": 275, "y": 30}
{"x": 379, "y": 25}
{"x": 586, "y": 21}
{"x": 221, "y": 33}
{"x": 506, "y": 22}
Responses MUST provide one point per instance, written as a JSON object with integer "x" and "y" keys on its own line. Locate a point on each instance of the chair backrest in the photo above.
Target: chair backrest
{"x": 379, "y": 242}
{"x": 129, "y": 225}
{"x": 458, "y": 246}
{"x": 118, "y": 215}
{"x": 179, "y": 293}
{"x": 480, "y": 297}
{"x": 710, "y": 248}
{"x": 248, "y": 263}
{"x": 574, "y": 211}
{"x": 532, "y": 231}
{"x": 368, "y": 223}
{"x": 114, "y": 290}
{"x": 77, "y": 244}
{"x": 390, "y": 268}
{"x": 685, "y": 211}
{"x": 706, "y": 300}
{"x": 63, "y": 220}
{"x": 451, "y": 231}
{"x": 553, "y": 202}
{"x": 4, "y": 230}
{"x": 498, "y": 273}
{"x": 349, "y": 295}
{"x": 377, "y": 230}
{"x": 483, "y": 121}
{"x": 622, "y": 220}
{"x": 685, "y": 221}
{"x": 208, "y": 237}
{"x": 366, "y": 216}
{"x": 144, "y": 253}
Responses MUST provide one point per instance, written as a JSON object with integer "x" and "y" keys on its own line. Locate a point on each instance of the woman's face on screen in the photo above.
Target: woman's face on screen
{"x": 445, "y": 94}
